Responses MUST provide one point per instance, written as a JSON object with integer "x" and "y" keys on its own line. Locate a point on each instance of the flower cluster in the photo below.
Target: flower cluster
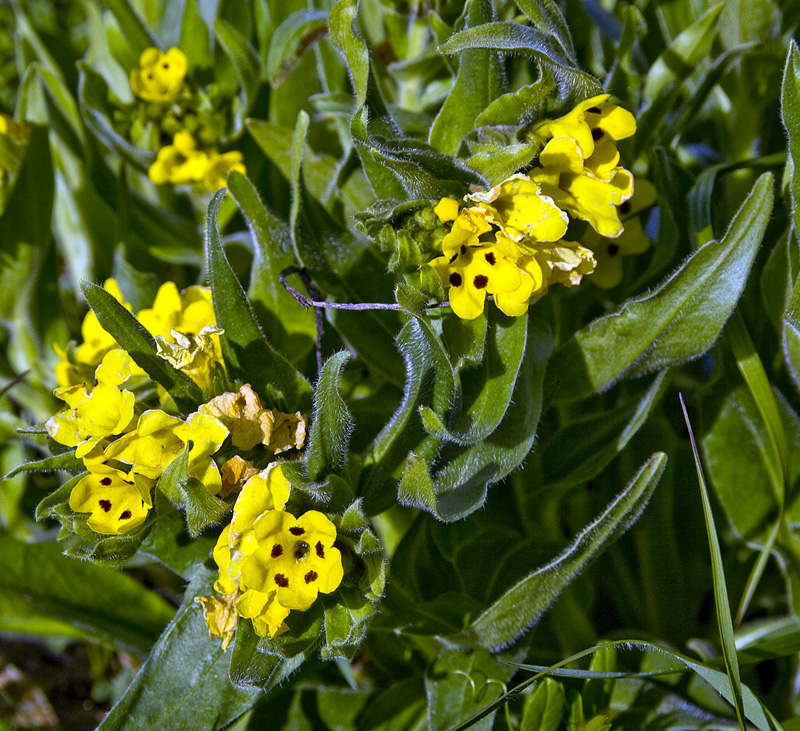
{"x": 126, "y": 446}
{"x": 270, "y": 562}
{"x": 509, "y": 242}
{"x": 161, "y": 81}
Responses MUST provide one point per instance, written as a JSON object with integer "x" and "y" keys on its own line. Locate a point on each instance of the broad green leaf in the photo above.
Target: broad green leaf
{"x": 723, "y": 610}
{"x": 189, "y": 671}
{"x": 462, "y": 475}
{"x": 66, "y": 461}
{"x": 344, "y": 37}
{"x": 544, "y": 708}
{"x": 291, "y": 40}
{"x": 790, "y": 113}
{"x": 327, "y": 448}
{"x": 135, "y": 339}
{"x": 520, "y": 106}
{"x": 680, "y": 59}
{"x": 108, "y": 605}
{"x": 188, "y": 493}
{"x": 522, "y": 605}
{"x": 580, "y": 451}
{"x": 468, "y": 99}
{"x": 677, "y": 321}
{"x": 458, "y": 684}
{"x": 430, "y": 382}
{"x": 248, "y": 355}
{"x": 282, "y": 317}
{"x": 541, "y": 46}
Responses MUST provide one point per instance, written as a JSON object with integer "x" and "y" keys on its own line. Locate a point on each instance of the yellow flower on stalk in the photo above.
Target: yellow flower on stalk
{"x": 633, "y": 239}
{"x": 160, "y": 76}
{"x": 187, "y": 312}
{"x": 93, "y": 416}
{"x": 219, "y": 166}
{"x": 295, "y": 559}
{"x": 194, "y": 355}
{"x": 592, "y": 122}
{"x": 179, "y": 163}
{"x": 473, "y": 273}
{"x": 251, "y": 424}
{"x": 118, "y": 502}
{"x": 96, "y": 340}
{"x": 160, "y": 438}
{"x": 265, "y": 492}
{"x": 520, "y": 209}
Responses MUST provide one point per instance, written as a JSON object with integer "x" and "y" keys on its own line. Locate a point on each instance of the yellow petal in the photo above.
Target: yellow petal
{"x": 446, "y": 209}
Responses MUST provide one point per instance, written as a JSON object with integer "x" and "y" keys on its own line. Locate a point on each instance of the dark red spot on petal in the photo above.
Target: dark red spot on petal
{"x": 613, "y": 249}
{"x": 597, "y": 134}
{"x": 297, "y": 530}
{"x": 625, "y": 207}
{"x": 105, "y": 481}
{"x": 281, "y": 580}
{"x": 593, "y": 110}
{"x": 105, "y": 504}
{"x": 480, "y": 281}
{"x": 320, "y": 550}
{"x": 490, "y": 257}
{"x": 125, "y": 515}
{"x": 455, "y": 279}
{"x": 310, "y": 576}
{"x": 463, "y": 249}
{"x": 277, "y": 550}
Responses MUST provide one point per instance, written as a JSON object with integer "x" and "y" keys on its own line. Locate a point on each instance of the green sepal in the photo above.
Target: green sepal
{"x": 189, "y": 494}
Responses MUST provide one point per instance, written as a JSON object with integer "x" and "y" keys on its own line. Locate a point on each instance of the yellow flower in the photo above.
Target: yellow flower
{"x": 295, "y": 559}
{"x": 219, "y": 167}
{"x": 94, "y": 415}
{"x": 194, "y": 355}
{"x": 117, "y": 502}
{"x": 161, "y": 75}
{"x": 473, "y": 273}
{"x": 265, "y": 492}
{"x": 160, "y": 438}
{"x": 592, "y": 121}
{"x": 179, "y": 163}
{"x": 235, "y": 473}
{"x": 470, "y": 224}
{"x": 447, "y": 209}
{"x": 96, "y": 341}
{"x": 521, "y": 210}
{"x": 187, "y": 312}
{"x": 632, "y": 240}
{"x": 251, "y": 424}
{"x": 220, "y": 615}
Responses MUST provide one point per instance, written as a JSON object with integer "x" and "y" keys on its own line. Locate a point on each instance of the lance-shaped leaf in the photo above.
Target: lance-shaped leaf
{"x": 248, "y": 354}
{"x": 790, "y": 113}
{"x": 184, "y": 683}
{"x": 66, "y": 461}
{"x": 108, "y": 605}
{"x": 139, "y": 344}
{"x": 292, "y": 39}
{"x": 133, "y": 29}
{"x": 468, "y": 98}
{"x": 246, "y": 62}
{"x": 430, "y": 382}
{"x": 187, "y": 492}
{"x": 539, "y": 45}
{"x": 344, "y": 37}
{"x": 462, "y": 475}
{"x": 676, "y": 322}
{"x": 548, "y": 16}
{"x": 522, "y": 605}
{"x": 282, "y": 317}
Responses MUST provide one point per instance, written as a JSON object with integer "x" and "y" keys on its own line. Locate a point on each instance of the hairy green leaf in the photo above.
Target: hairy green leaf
{"x": 677, "y": 321}
{"x": 292, "y": 39}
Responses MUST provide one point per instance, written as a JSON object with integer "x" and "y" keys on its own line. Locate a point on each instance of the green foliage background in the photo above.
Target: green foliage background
{"x": 500, "y": 460}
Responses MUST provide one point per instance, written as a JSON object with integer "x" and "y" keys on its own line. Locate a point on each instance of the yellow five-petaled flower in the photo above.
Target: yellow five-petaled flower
{"x": 160, "y": 76}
